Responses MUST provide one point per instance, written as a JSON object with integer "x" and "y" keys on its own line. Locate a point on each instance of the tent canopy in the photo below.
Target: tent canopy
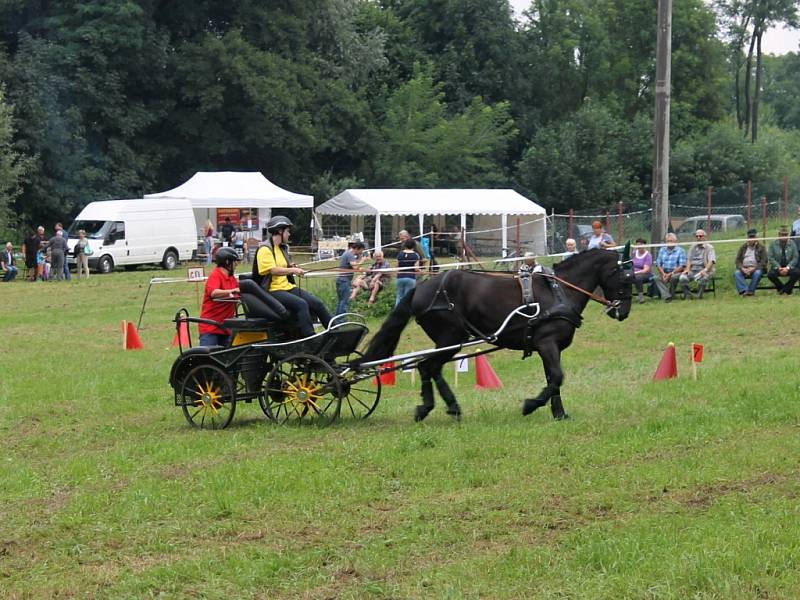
{"x": 436, "y": 202}
{"x": 229, "y": 189}
{"x": 429, "y": 202}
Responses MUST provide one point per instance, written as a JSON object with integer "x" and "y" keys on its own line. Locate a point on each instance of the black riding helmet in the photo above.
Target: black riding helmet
{"x": 278, "y": 223}
{"x": 226, "y": 256}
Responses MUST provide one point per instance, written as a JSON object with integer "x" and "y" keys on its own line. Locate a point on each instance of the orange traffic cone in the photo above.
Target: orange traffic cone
{"x": 182, "y": 335}
{"x": 130, "y": 336}
{"x": 386, "y": 376}
{"x": 485, "y": 377}
{"x": 668, "y": 367}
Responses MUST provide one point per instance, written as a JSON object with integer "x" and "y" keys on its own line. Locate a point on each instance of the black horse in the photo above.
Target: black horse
{"x": 458, "y": 305}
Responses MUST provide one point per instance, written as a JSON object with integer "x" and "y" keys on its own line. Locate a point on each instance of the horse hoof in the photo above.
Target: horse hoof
{"x": 421, "y": 412}
{"x": 455, "y": 412}
{"x": 561, "y": 417}
{"x": 529, "y": 406}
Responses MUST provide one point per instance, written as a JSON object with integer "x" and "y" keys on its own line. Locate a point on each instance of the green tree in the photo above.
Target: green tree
{"x": 12, "y": 168}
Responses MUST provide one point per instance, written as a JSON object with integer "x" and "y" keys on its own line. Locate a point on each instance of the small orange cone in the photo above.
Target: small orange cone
{"x": 131, "y": 337}
{"x": 485, "y": 377}
{"x": 668, "y": 367}
{"x": 387, "y": 377}
{"x": 182, "y": 335}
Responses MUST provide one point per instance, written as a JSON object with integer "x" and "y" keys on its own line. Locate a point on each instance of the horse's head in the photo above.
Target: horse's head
{"x": 616, "y": 281}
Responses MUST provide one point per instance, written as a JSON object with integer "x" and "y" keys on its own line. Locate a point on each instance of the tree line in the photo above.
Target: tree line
{"x": 116, "y": 98}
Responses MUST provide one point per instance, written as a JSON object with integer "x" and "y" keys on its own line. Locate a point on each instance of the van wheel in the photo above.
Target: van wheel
{"x": 170, "y": 260}
{"x": 105, "y": 265}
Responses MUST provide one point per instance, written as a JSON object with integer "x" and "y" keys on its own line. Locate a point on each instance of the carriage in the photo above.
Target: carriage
{"x": 293, "y": 380}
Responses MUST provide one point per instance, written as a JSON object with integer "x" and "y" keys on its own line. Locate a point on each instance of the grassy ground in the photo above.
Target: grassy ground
{"x": 652, "y": 490}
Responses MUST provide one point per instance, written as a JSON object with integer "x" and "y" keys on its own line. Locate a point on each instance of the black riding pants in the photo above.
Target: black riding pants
{"x": 302, "y": 304}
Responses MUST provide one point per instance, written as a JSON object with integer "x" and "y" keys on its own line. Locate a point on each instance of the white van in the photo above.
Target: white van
{"x": 136, "y": 232}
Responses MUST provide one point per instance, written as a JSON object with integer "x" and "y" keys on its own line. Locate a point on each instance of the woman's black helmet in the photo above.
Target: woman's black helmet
{"x": 226, "y": 255}
{"x": 278, "y": 223}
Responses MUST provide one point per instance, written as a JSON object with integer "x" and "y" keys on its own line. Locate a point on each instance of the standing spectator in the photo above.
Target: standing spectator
{"x": 238, "y": 241}
{"x": 408, "y": 260}
{"x": 227, "y": 230}
{"x": 208, "y": 234}
{"x": 29, "y": 248}
{"x": 374, "y": 281}
{"x": 403, "y": 236}
{"x": 642, "y": 267}
{"x": 751, "y": 263}
{"x": 671, "y": 262}
{"x": 42, "y": 266}
{"x": 701, "y": 262}
{"x": 349, "y": 262}
{"x": 599, "y": 238}
{"x": 783, "y": 258}
{"x": 220, "y": 285}
{"x": 65, "y": 235}
{"x": 7, "y": 263}
{"x": 81, "y": 251}
{"x": 58, "y": 252}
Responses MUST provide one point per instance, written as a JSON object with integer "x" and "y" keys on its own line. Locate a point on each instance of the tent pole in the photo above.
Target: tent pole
{"x": 504, "y": 225}
{"x": 421, "y": 225}
{"x": 377, "y": 231}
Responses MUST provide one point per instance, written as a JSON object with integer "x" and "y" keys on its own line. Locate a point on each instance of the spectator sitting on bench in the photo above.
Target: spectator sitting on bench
{"x": 783, "y": 257}
{"x": 7, "y": 263}
{"x": 642, "y": 267}
{"x": 671, "y": 262}
{"x": 701, "y": 263}
{"x": 372, "y": 281}
{"x": 751, "y": 263}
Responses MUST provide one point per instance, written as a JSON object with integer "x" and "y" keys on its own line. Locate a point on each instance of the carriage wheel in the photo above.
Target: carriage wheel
{"x": 360, "y": 397}
{"x": 302, "y": 388}
{"x": 207, "y": 397}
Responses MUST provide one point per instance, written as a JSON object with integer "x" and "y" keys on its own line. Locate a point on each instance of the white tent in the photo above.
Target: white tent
{"x": 229, "y": 189}
{"x": 421, "y": 202}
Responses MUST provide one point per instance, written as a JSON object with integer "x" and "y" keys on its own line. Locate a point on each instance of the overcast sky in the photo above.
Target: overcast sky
{"x": 775, "y": 41}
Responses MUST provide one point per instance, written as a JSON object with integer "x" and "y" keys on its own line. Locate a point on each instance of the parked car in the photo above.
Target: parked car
{"x": 719, "y": 224}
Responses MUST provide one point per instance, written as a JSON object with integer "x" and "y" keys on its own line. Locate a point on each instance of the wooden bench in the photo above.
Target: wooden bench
{"x": 711, "y": 287}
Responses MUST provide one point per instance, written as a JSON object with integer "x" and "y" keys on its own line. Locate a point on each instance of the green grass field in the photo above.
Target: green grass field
{"x": 676, "y": 489}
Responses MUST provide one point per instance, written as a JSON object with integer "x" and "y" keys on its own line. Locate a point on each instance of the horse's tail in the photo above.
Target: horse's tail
{"x": 385, "y": 341}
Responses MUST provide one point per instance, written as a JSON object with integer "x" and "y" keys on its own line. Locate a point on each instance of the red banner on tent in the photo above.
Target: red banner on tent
{"x": 697, "y": 353}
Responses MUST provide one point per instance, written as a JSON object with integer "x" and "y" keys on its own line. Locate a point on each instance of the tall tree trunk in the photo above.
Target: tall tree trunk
{"x": 757, "y": 91}
{"x": 737, "y": 63}
{"x": 747, "y": 72}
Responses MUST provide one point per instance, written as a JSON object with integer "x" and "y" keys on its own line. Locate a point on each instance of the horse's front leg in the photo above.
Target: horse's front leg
{"x": 427, "y": 405}
{"x": 551, "y": 361}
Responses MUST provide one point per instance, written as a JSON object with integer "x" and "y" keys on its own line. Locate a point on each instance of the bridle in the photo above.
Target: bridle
{"x": 624, "y": 268}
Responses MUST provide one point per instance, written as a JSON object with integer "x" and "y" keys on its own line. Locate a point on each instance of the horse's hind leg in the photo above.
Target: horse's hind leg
{"x": 445, "y": 392}
{"x": 427, "y": 405}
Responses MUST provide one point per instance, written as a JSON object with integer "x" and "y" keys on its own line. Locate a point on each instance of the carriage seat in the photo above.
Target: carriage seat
{"x": 247, "y": 324}
{"x": 260, "y": 305}
{"x": 201, "y": 350}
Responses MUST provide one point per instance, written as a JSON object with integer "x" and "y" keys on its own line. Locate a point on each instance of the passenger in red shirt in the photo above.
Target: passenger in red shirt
{"x": 220, "y": 284}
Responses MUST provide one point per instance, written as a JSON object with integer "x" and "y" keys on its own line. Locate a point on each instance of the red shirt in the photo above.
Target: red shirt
{"x": 216, "y": 310}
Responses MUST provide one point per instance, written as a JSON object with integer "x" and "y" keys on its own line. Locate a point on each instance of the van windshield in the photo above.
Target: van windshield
{"x": 95, "y": 230}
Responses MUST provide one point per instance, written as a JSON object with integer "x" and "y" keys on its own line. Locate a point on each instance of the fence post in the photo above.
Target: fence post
{"x": 764, "y": 208}
{"x": 749, "y": 202}
{"x": 708, "y": 223}
{"x": 620, "y": 224}
{"x": 517, "y": 243}
{"x": 571, "y": 225}
{"x": 608, "y": 215}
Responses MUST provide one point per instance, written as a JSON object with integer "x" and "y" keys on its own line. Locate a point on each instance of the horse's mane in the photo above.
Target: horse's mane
{"x": 578, "y": 259}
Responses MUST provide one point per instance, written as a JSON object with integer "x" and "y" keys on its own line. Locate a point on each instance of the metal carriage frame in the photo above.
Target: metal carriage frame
{"x": 293, "y": 380}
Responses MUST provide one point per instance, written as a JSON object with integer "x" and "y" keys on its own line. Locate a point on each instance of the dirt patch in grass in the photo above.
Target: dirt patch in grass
{"x": 704, "y": 496}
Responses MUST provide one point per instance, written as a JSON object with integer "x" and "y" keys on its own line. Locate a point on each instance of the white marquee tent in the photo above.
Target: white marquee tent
{"x": 228, "y": 189}
{"x": 421, "y": 202}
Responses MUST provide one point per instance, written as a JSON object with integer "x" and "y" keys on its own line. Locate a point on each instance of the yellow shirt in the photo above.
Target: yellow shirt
{"x": 266, "y": 262}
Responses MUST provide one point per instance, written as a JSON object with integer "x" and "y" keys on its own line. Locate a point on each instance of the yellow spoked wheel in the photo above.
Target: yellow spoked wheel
{"x": 207, "y": 398}
{"x": 302, "y": 388}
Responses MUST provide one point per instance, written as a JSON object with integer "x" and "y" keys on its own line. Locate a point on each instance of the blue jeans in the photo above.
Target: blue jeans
{"x": 301, "y": 304}
{"x": 209, "y": 245}
{"x": 11, "y": 273}
{"x": 404, "y": 285}
{"x": 343, "y": 287}
{"x": 214, "y": 339}
{"x": 741, "y": 283}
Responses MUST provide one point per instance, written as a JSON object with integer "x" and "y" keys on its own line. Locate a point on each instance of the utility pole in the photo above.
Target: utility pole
{"x": 661, "y": 162}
